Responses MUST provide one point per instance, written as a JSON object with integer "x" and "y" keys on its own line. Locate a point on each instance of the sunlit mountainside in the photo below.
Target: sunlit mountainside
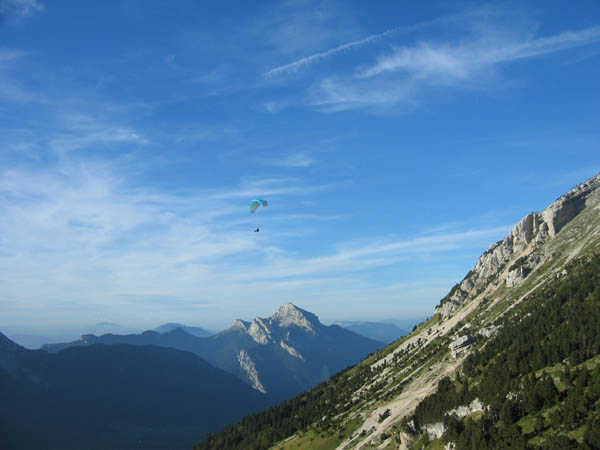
{"x": 509, "y": 359}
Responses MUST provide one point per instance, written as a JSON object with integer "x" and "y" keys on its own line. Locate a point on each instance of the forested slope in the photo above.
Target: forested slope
{"x": 539, "y": 379}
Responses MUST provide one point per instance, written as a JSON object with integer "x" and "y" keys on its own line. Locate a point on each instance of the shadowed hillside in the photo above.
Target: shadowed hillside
{"x": 117, "y": 396}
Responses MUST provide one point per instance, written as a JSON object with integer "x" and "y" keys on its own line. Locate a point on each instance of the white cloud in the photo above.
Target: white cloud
{"x": 93, "y": 135}
{"x": 80, "y": 230}
{"x": 401, "y": 76}
{"x": 368, "y": 256}
{"x": 11, "y": 87}
{"x": 78, "y": 238}
{"x": 319, "y": 56}
{"x": 297, "y": 26}
{"x": 291, "y": 160}
{"x": 266, "y": 187}
{"x": 461, "y": 60}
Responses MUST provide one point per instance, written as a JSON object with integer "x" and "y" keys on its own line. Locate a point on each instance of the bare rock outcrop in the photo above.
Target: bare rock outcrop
{"x": 289, "y": 314}
{"x": 249, "y": 368}
{"x": 291, "y": 350}
{"x": 259, "y": 331}
{"x": 513, "y": 258}
{"x": 264, "y": 330}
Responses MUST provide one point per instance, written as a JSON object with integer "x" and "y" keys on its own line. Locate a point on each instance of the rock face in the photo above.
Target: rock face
{"x": 290, "y": 315}
{"x": 264, "y": 331}
{"x": 524, "y": 249}
{"x": 289, "y": 351}
{"x": 249, "y": 367}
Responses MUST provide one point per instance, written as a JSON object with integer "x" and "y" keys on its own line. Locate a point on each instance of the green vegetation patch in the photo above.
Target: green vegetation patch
{"x": 539, "y": 377}
{"x": 311, "y": 440}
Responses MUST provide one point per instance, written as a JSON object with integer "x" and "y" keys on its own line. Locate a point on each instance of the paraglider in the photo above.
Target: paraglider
{"x": 254, "y": 205}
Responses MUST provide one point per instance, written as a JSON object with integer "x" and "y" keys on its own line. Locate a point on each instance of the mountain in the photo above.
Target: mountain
{"x": 288, "y": 352}
{"x": 117, "y": 396}
{"x": 107, "y": 327}
{"x": 379, "y": 331}
{"x": 509, "y": 359}
{"x": 281, "y": 355}
{"x": 196, "y": 331}
{"x": 34, "y": 341}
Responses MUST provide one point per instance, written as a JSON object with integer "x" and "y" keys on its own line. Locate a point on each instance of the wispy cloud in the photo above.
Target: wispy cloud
{"x": 291, "y": 160}
{"x": 11, "y": 87}
{"x": 81, "y": 132}
{"x": 297, "y": 26}
{"x": 81, "y": 233}
{"x": 375, "y": 254}
{"x": 462, "y": 60}
{"x": 319, "y": 56}
{"x": 398, "y": 78}
{"x": 271, "y": 187}
{"x": 20, "y": 8}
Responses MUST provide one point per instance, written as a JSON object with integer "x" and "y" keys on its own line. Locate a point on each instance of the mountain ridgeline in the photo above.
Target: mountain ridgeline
{"x": 509, "y": 359}
{"x": 114, "y": 396}
{"x": 280, "y": 356}
{"x": 196, "y": 331}
{"x": 164, "y": 390}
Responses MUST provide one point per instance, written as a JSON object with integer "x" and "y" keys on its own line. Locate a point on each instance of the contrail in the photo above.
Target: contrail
{"x": 296, "y": 65}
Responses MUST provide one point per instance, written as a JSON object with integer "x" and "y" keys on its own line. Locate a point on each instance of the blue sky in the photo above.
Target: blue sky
{"x": 394, "y": 142}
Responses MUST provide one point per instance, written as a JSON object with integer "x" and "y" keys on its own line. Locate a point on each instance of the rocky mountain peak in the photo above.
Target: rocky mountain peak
{"x": 289, "y": 314}
{"x": 265, "y": 330}
{"x": 528, "y": 246}
{"x": 239, "y": 323}
{"x": 561, "y": 211}
{"x": 260, "y": 331}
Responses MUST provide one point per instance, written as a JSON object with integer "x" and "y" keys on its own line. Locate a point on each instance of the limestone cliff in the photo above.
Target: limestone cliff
{"x": 249, "y": 368}
{"x": 524, "y": 249}
{"x": 289, "y": 351}
{"x": 267, "y": 330}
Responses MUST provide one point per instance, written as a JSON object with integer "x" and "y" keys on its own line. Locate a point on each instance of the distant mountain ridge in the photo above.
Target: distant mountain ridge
{"x": 114, "y": 396}
{"x": 280, "y": 355}
{"x": 196, "y": 331}
{"x": 36, "y": 339}
{"x": 380, "y": 331}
